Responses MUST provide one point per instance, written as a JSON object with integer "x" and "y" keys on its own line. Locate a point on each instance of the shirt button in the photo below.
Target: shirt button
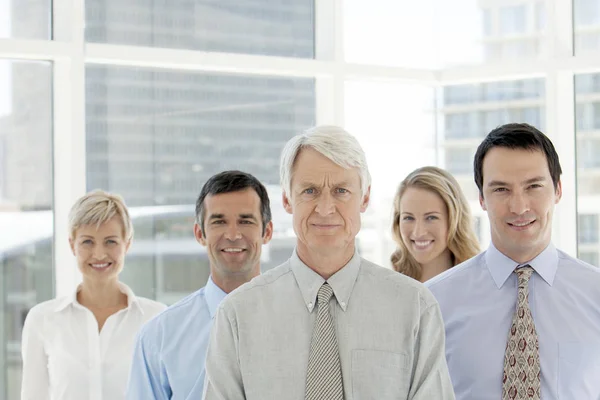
{"x": 310, "y": 305}
{"x": 343, "y": 304}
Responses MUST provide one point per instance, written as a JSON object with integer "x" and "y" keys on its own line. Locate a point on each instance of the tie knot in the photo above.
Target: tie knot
{"x": 523, "y": 274}
{"x": 325, "y": 293}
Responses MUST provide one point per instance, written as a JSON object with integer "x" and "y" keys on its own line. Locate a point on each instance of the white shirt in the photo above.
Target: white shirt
{"x": 66, "y": 358}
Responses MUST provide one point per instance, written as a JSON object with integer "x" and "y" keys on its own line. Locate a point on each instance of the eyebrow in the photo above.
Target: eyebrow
{"x": 427, "y": 213}
{"x": 243, "y": 216}
{"x": 107, "y": 237}
{"x": 527, "y": 182}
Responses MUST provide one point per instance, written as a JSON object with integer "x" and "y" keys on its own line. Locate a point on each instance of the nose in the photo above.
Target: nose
{"x": 518, "y": 204}
{"x": 419, "y": 229}
{"x": 233, "y": 233}
{"x": 325, "y": 204}
{"x": 99, "y": 252}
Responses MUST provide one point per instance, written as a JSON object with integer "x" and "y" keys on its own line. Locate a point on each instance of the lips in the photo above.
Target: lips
{"x": 422, "y": 244}
{"x": 101, "y": 266}
{"x": 233, "y": 250}
{"x": 521, "y": 224}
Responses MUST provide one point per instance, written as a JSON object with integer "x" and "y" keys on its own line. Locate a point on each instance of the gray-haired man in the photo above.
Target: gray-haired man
{"x": 327, "y": 324}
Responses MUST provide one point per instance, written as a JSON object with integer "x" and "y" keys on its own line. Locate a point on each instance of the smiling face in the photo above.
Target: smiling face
{"x": 233, "y": 235}
{"x": 424, "y": 226}
{"x": 519, "y": 197}
{"x": 100, "y": 251}
{"x": 326, "y": 203}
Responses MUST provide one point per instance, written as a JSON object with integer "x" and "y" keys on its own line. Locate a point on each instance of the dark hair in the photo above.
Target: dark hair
{"x": 233, "y": 181}
{"x": 517, "y": 136}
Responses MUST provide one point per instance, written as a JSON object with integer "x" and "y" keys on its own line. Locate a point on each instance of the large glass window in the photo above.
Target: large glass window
{"x": 587, "y": 103}
{"x": 586, "y": 24}
{"x": 26, "y": 219}
{"x": 437, "y": 33}
{"x": 156, "y": 136}
{"x": 265, "y": 27}
{"x": 25, "y": 19}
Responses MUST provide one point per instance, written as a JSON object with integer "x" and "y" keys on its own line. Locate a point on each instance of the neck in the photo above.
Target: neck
{"x": 325, "y": 263}
{"x": 437, "y": 266}
{"x": 228, "y": 283}
{"x": 101, "y": 294}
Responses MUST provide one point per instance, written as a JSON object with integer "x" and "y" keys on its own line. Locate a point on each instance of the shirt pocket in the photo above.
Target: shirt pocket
{"x": 579, "y": 370}
{"x": 381, "y": 375}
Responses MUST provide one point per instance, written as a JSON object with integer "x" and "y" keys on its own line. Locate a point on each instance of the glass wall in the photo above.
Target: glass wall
{"x": 26, "y": 218}
{"x": 156, "y": 136}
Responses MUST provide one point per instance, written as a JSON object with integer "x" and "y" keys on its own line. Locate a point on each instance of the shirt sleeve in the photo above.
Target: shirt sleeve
{"x": 147, "y": 378}
{"x": 223, "y": 374}
{"x": 35, "y": 384}
{"x": 431, "y": 379}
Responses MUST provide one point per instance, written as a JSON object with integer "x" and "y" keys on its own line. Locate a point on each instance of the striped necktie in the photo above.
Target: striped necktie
{"x": 324, "y": 374}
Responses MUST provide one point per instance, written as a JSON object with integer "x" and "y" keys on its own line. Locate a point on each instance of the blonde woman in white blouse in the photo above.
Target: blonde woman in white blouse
{"x": 79, "y": 347}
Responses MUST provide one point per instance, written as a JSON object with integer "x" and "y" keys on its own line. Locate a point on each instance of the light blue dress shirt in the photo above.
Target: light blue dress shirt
{"x": 478, "y": 299}
{"x": 170, "y": 350}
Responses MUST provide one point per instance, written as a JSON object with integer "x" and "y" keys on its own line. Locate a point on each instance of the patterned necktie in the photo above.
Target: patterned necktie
{"x": 324, "y": 374}
{"x": 521, "y": 378}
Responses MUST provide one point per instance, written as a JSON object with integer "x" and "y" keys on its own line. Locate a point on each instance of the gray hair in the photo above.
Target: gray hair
{"x": 332, "y": 142}
{"x": 96, "y": 208}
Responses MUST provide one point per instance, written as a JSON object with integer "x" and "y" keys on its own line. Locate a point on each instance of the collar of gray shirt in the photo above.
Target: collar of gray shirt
{"x": 309, "y": 282}
{"x": 501, "y": 267}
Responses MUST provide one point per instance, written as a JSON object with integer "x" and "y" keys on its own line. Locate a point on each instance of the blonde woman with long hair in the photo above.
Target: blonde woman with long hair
{"x": 432, "y": 224}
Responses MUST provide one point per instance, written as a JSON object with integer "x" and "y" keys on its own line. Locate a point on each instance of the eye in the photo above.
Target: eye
{"x": 432, "y": 217}
{"x": 111, "y": 242}
{"x": 309, "y": 191}
{"x": 500, "y": 189}
{"x": 87, "y": 241}
{"x": 535, "y": 186}
{"x": 246, "y": 222}
{"x": 342, "y": 191}
{"x": 217, "y": 222}
{"x": 407, "y": 218}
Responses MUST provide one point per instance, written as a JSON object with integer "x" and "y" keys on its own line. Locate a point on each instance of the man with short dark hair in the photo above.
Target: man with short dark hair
{"x": 233, "y": 221}
{"x": 522, "y": 318}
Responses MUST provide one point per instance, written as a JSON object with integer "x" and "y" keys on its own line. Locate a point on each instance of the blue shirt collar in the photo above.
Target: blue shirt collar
{"x": 214, "y": 295}
{"x": 500, "y": 266}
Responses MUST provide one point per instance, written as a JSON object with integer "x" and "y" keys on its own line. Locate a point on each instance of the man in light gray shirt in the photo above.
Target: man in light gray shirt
{"x": 327, "y": 324}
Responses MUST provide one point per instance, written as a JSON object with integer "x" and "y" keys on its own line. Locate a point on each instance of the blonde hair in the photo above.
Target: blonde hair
{"x": 97, "y": 207}
{"x": 332, "y": 142}
{"x": 462, "y": 241}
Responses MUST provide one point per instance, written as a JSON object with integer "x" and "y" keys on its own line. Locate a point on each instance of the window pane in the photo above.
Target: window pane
{"x": 586, "y": 16}
{"x": 26, "y": 219}
{"x": 266, "y": 27}
{"x": 25, "y": 19}
{"x": 398, "y": 128}
{"x": 468, "y": 112}
{"x": 587, "y": 107}
{"x": 156, "y": 136}
{"x": 439, "y": 33}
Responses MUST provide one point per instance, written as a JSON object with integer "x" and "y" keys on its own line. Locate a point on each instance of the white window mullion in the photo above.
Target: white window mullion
{"x": 560, "y": 120}
{"x": 69, "y": 134}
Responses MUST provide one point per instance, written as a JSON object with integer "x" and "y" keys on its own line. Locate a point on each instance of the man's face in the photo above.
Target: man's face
{"x": 326, "y": 203}
{"x": 519, "y": 197}
{"x": 233, "y": 233}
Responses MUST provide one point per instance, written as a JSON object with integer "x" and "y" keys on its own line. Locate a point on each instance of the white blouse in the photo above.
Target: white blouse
{"x": 66, "y": 358}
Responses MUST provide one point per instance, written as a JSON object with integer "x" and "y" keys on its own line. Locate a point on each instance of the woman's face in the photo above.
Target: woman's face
{"x": 424, "y": 225}
{"x": 100, "y": 251}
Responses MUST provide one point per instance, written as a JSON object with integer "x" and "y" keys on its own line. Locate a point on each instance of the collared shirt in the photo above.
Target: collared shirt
{"x": 478, "y": 299}
{"x": 389, "y": 330}
{"x": 66, "y": 358}
{"x": 168, "y": 361}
